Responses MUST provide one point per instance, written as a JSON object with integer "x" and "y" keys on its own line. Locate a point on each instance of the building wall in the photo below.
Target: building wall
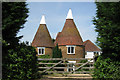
{"x": 79, "y": 52}
{"x": 48, "y": 51}
{"x": 91, "y": 54}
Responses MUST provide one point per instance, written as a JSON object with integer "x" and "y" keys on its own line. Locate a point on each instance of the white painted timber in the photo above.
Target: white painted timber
{"x": 43, "y": 20}
{"x": 69, "y": 15}
{"x": 89, "y": 55}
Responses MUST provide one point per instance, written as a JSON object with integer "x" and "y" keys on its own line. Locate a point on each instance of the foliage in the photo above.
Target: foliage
{"x": 19, "y": 60}
{"x": 87, "y": 65}
{"x": 13, "y": 17}
{"x": 21, "y": 64}
{"x": 53, "y": 40}
{"x": 57, "y": 52}
{"x": 106, "y": 68}
{"x": 44, "y": 56}
{"x": 107, "y": 24}
{"x": 83, "y": 61}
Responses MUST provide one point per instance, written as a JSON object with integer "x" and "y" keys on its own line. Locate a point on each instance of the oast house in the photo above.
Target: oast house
{"x": 42, "y": 40}
{"x": 69, "y": 41}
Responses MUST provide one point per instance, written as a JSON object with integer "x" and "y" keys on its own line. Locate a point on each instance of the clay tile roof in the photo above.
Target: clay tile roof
{"x": 42, "y": 37}
{"x": 69, "y": 35}
{"x": 89, "y": 46}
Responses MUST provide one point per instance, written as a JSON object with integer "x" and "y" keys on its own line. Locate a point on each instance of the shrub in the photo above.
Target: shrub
{"x": 21, "y": 63}
{"x": 57, "y": 52}
{"x": 44, "y": 56}
{"x": 106, "y": 68}
{"x": 87, "y": 65}
{"x": 83, "y": 61}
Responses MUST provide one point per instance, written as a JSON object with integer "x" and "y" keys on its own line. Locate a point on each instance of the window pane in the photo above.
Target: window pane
{"x": 94, "y": 53}
{"x": 42, "y": 51}
{"x": 68, "y": 49}
{"x": 72, "y": 49}
{"x": 39, "y": 51}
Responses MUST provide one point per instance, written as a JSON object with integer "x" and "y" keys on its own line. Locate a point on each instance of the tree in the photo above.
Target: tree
{"x": 21, "y": 63}
{"x": 19, "y": 60}
{"x": 57, "y": 52}
{"x": 53, "y": 40}
{"x": 107, "y": 23}
{"x": 13, "y": 18}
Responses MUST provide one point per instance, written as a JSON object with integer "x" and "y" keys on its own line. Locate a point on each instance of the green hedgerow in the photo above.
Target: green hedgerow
{"x": 106, "y": 68}
{"x": 21, "y": 63}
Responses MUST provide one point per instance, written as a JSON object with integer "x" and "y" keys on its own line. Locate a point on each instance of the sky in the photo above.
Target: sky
{"x": 55, "y": 16}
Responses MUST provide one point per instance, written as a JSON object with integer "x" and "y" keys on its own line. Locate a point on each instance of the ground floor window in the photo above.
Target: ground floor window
{"x": 41, "y": 50}
{"x": 70, "y": 49}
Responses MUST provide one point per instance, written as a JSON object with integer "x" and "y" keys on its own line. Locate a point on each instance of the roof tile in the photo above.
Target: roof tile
{"x": 42, "y": 37}
{"x": 89, "y": 46}
{"x": 69, "y": 35}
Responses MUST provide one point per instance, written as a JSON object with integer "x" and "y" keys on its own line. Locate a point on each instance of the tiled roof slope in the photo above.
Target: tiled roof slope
{"x": 89, "y": 46}
{"x": 69, "y": 35}
{"x": 42, "y": 37}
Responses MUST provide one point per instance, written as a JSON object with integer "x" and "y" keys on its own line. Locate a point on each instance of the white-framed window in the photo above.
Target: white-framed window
{"x": 70, "y": 49}
{"x": 41, "y": 50}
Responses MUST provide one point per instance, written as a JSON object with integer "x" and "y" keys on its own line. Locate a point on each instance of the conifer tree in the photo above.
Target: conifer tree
{"x": 19, "y": 60}
{"x": 107, "y": 23}
{"x": 57, "y": 52}
{"x": 13, "y": 18}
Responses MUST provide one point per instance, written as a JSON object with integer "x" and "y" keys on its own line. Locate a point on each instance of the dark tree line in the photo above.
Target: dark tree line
{"x": 19, "y": 60}
{"x": 107, "y": 23}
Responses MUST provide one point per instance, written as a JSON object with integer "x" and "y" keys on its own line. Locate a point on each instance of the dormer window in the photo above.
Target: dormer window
{"x": 41, "y": 50}
{"x": 70, "y": 49}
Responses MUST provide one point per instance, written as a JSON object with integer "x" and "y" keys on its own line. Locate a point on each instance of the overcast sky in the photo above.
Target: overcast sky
{"x": 55, "y": 14}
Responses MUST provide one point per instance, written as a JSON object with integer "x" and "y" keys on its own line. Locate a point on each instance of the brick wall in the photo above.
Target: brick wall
{"x": 79, "y": 52}
{"x": 48, "y": 51}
